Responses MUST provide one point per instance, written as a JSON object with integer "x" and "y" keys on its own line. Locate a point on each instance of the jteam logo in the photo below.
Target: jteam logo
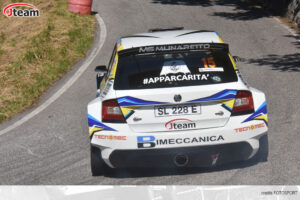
{"x": 12, "y": 11}
{"x": 180, "y": 124}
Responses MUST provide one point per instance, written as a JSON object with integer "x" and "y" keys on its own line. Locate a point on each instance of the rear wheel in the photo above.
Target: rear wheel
{"x": 98, "y": 166}
{"x": 264, "y": 146}
{"x": 263, "y": 151}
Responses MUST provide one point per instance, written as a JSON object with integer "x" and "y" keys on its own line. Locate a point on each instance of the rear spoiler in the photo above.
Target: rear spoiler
{"x": 176, "y": 48}
{"x": 165, "y": 29}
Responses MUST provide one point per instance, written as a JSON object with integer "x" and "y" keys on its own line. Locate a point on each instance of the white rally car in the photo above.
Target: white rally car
{"x": 174, "y": 98}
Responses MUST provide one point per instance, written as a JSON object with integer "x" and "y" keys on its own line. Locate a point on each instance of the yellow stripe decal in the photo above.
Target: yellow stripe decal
{"x": 233, "y": 62}
{"x": 220, "y": 39}
{"x": 229, "y": 103}
{"x": 120, "y": 46}
{"x": 114, "y": 67}
{"x": 94, "y": 129}
{"x": 263, "y": 117}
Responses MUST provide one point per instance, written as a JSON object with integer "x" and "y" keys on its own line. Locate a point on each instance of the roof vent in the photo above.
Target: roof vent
{"x": 166, "y": 29}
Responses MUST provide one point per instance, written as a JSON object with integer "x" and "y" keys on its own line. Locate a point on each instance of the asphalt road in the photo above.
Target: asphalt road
{"x": 53, "y": 146}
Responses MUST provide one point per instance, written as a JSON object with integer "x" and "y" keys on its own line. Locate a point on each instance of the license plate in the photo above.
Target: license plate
{"x": 187, "y": 109}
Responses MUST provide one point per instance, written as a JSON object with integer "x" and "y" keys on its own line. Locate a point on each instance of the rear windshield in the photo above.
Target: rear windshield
{"x": 173, "y": 70}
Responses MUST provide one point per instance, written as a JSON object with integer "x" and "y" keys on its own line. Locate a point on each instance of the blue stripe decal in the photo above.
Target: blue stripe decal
{"x": 94, "y": 122}
{"x": 131, "y": 101}
{"x": 223, "y": 95}
{"x": 262, "y": 110}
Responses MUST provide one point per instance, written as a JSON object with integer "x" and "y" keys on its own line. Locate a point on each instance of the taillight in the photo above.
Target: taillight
{"x": 243, "y": 103}
{"x": 111, "y": 112}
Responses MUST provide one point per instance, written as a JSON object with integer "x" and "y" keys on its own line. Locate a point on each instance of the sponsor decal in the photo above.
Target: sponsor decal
{"x": 180, "y": 124}
{"x": 216, "y": 69}
{"x": 249, "y": 128}
{"x": 164, "y": 48}
{"x": 151, "y": 141}
{"x": 106, "y": 88}
{"x": 179, "y": 77}
{"x": 12, "y": 11}
{"x": 214, "y": 158}
{"x": 110, "y": 137}
{"x": 216, "y": 78}
{"x": 174, "y": 67}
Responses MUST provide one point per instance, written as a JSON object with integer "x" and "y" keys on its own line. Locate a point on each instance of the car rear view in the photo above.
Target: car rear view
{"x": 180, "y": 104}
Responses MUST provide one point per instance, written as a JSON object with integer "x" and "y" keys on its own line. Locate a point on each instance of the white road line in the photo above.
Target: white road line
{"x": 68, "y": 84}
{"x": 287, "y": 28}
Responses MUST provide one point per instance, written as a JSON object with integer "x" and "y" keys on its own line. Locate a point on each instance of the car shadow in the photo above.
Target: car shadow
{"x": 155, "y": 172}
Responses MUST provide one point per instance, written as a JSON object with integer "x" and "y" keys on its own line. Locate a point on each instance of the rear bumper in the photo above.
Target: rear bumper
{"x": 202, "y": 148}
{"x": 233, "y": 142}
{"x": 199, "y": 156}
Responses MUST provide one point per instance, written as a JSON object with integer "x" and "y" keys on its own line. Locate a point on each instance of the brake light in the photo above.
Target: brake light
{"x": 111, "y": 112}
{"x": 243, "y": 103}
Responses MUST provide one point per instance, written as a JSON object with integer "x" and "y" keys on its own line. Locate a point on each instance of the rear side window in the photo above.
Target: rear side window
{"x": 173, "y": 70}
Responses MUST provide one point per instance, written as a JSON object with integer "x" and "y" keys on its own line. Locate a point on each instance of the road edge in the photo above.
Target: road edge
{"x": 100, "y": 38}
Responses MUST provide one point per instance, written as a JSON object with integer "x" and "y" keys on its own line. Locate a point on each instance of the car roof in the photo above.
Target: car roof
{"x": 168, "y": 37}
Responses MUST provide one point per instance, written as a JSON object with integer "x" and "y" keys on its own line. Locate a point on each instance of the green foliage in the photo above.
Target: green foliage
{"x": 44, "y": 59}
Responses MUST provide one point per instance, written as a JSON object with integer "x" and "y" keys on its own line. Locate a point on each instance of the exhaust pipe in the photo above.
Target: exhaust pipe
{"x": 181, "y": 160}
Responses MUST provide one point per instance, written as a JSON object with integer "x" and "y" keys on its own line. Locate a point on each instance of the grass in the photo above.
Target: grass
{"x": 36, "y": 52}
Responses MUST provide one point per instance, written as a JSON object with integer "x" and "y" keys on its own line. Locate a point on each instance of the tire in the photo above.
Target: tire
{"x": 97, "y": 164}
{"x": 264, "y": 148}
{"x": 263, "y": 151}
